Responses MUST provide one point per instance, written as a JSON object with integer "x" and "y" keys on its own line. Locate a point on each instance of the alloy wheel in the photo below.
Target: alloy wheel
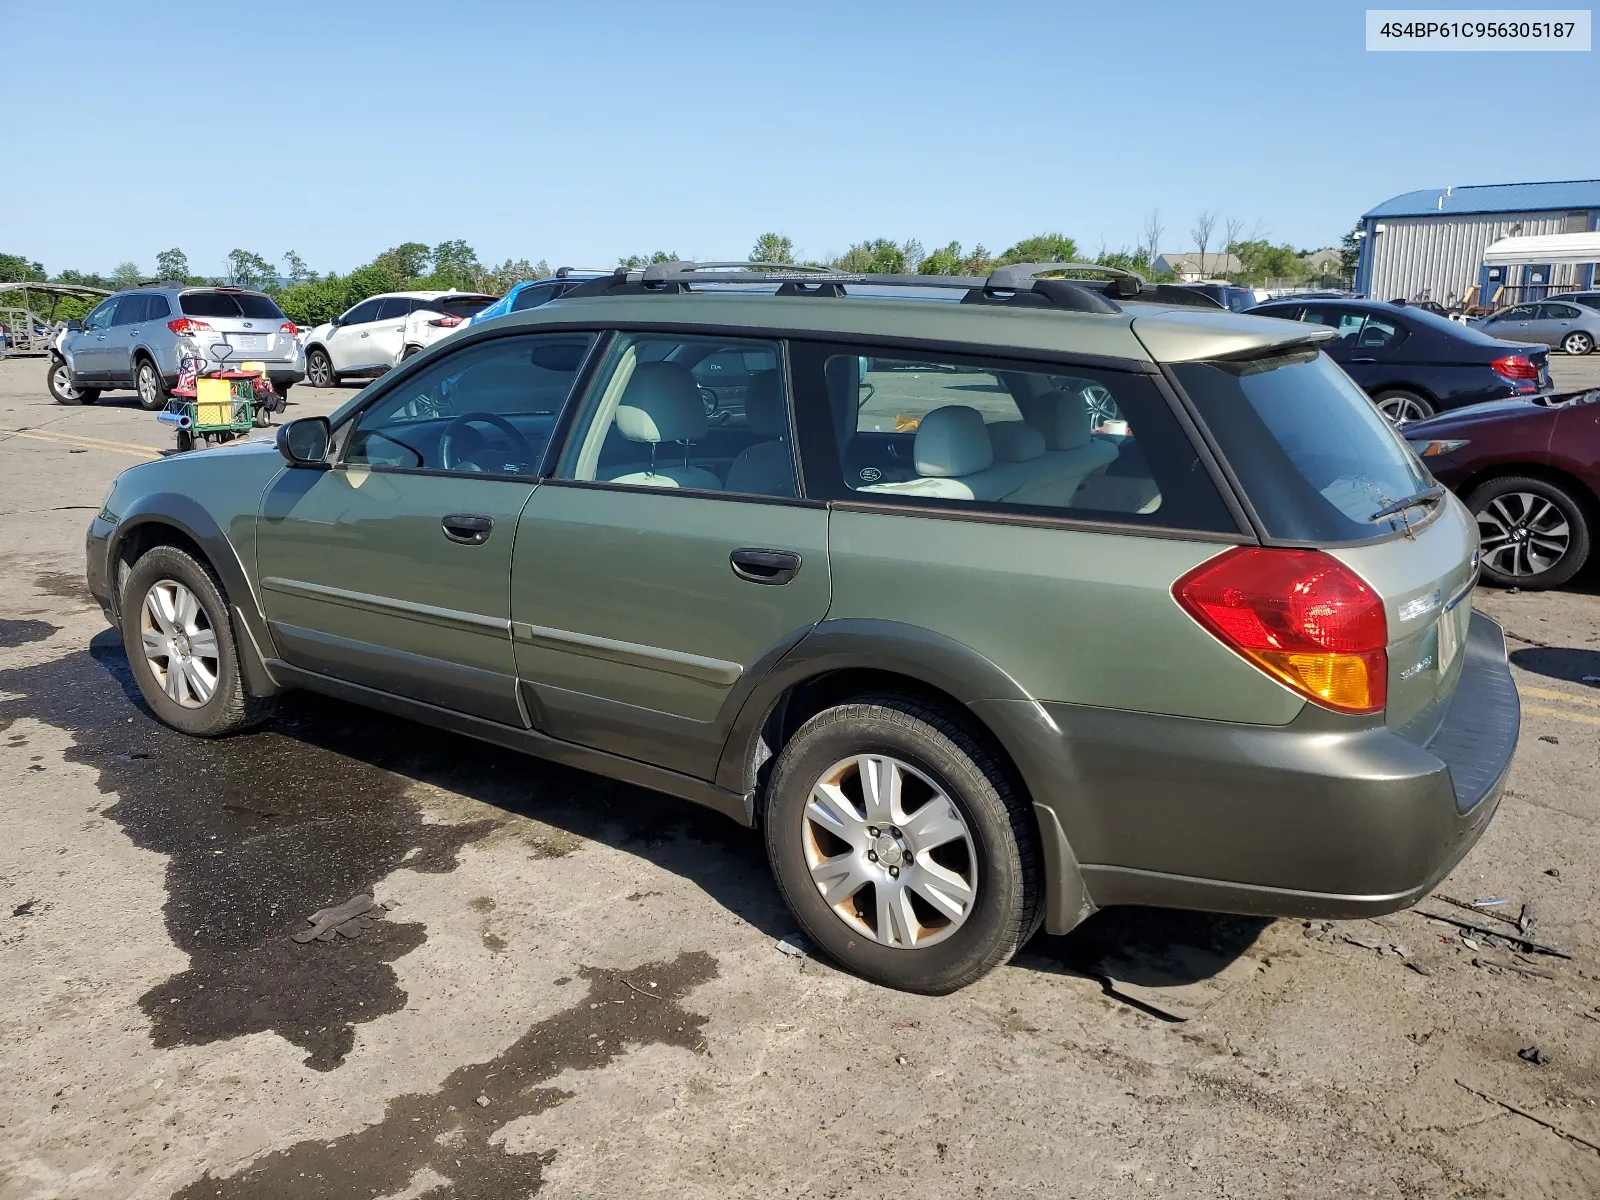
{"x": 890, "y": 852}
{"x": 149, "y": 386}
{"x": 1523, "y": 534}
{"x": 179, "y": 644}
{"x": 1578, "y": 343}
{"x": 61, "y": 377}
{"x": 1400, "y": 409}
{"x": 320, "y": 370}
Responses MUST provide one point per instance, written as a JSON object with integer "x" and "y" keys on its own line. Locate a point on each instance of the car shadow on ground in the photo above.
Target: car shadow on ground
{"x": 321, "y": 774}
{"x": 1560, "y": 662}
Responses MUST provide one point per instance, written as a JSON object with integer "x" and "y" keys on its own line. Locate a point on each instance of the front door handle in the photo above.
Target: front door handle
{"x": 468, "y": 528}
{"x": 1363, "y": 360}
{"x": 755, "y": 565}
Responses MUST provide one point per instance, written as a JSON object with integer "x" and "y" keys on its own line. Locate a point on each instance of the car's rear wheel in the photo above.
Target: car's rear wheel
{"x": 319, "y": 370}
{"x": 151, "y": 388}
{"x": 901, "y": 844}
{"x": 1577, "y": 342}
{"x": 179, "y": 642}
{"x": 1401, "y": 407}
{"x": 1532, "y": 533}
{"x": 63, "y": 390}
{"x": 409, "y": 352}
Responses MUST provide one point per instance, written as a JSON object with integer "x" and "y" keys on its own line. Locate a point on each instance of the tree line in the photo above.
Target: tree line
{"x": 310, "y": 298}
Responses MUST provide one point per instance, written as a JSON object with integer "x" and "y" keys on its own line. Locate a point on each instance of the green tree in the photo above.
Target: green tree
{"x": 172, "y": 264}
{"x": 635, "y": 262}
{"x": 455, "y": 265}
{"x": 942, "y": 260}
{"x": 298, "y": 271}
{"x": 880, "y": 256}
{"x": 1044, "y": 247}
{"x": 409, "y": 260}
{"x": 772, "y": 248}
{"x": 978, "y": 262}
{"x": 126, "y": 275}
{"x": 1350, "y": 252}
{"x": 84, "y": 279}
{"x": 248, "y": 269}
{"x": 500, "y": 280}
{"x": 14, "y": 268}
{"x": 1260, "y": 260}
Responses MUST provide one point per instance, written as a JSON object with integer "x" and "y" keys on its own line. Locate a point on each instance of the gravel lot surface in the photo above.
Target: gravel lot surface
{"x": 576, "y": 989}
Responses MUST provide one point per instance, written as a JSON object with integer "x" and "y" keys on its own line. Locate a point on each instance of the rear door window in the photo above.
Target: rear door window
{"x": 972, "y": 435}
{"x": 1380, "y": 333}
{"x": 159, "y": 309}
{"x": 394, "y": 306}
{"x": 130, "y": 310}
{"x": 1316, "y": 459}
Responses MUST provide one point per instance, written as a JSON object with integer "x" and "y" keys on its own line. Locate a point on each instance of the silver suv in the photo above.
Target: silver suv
{"x": 140, "y": 338}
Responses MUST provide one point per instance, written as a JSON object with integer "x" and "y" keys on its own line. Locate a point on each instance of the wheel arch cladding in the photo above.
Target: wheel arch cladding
{"x": 855, "y": 657}
{"x": 173, "y": 519}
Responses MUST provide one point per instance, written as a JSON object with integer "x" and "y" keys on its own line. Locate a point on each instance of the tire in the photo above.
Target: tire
{"x": 1577, "y": 342}
{"x": 319, "y": 369}
{"x": 149, "y": 386}
{"x": 62, "y": 389}
{"x": 1401, "y": 406}
{"x": 409, "y": 352}
{"x": 185, "y": 441}
{"x": 1555, "y": 541}
{"x": 227, "y": 707}
{"x": 940, "y": 763}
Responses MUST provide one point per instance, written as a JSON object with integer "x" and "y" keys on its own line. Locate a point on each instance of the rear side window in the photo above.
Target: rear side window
{"x": 1314, "y": 455}
{"x": 1039, "y": 440}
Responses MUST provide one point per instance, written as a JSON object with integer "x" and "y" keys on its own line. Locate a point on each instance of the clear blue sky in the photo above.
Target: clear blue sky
{"x": 579, "y": 132}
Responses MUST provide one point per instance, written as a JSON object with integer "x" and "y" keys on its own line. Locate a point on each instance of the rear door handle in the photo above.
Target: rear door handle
{"x": 468, "y": 528}
{"x": 756, "y": 565}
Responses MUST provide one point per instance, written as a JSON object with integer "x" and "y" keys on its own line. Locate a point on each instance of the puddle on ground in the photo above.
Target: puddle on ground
{"x": 449, "y": 1133}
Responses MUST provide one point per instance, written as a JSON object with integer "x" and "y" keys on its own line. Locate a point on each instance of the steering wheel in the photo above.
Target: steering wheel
{"x": 451, "y": 456}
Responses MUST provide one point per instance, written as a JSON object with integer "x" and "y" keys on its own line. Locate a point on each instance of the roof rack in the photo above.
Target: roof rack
{"x": 1014, "y": 286}
{"x": 564, "y": 272}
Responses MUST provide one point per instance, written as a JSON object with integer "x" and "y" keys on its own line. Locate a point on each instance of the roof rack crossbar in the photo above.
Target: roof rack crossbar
{"x": 660, "y": 271}
{"x": 1020, "y": 276}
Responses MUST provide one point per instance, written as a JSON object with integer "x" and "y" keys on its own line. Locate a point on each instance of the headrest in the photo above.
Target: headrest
{"x": 953, "y": 441}
{"x": 1066, "y": 419}
{"x": 764, "y": 410}
{"x": 661, "y": 404}
{"x": 1015, "y": 441}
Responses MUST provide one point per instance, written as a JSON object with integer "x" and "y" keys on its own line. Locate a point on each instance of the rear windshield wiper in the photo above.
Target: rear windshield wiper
{"x": 1426, "y": 496}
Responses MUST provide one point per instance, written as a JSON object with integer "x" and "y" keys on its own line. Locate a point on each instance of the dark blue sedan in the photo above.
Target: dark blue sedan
{"x": 1414, "y": 363}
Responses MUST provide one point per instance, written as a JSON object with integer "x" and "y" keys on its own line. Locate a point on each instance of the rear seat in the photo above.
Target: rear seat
{"x": 955, "y": 460}
{"x": 1069, "y": 456}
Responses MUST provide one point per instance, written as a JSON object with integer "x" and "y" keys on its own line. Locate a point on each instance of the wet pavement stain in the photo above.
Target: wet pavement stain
{"x": 260, "y": 830}
{"x": 449, "y": 1131}
{"x": 20, "y": 633}
{"x": 65, "y": 585}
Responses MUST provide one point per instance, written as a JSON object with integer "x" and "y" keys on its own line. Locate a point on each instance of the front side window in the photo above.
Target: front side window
{"x": 1065, "y": 442}
{"x": 486, "y": 409}
{"x": 362, "y": 313}
{"x": 1314, "y": 455}
{"x": 1522, "y": 312}
{"x": 100, "y": 318}
{"x": 647, "y": 420}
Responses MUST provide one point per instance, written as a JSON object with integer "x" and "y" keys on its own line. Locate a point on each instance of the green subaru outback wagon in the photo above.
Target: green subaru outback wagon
{"x": 991, "y": 602}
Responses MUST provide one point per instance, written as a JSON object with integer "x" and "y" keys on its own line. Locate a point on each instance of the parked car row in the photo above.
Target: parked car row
{"x": 987, "y": 613}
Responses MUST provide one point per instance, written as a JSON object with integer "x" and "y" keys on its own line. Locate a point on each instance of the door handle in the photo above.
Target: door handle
{"x": 467, "y": 528}
{"x": 755, "y": 565}
{"x": 1363, "y": 360}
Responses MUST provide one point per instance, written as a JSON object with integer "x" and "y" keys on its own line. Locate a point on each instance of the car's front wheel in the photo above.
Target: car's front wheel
{"x": 901, "y": 845}
{"x": 149, "y": 385}
{"x": 1577, "y": 342}
{"x": 180, "y": 644}
{"x": 319, "y": 370}
{"x": 63, "y": 390}
{"x": 1532, "y": 533}
{"x": 1400, "y": 407}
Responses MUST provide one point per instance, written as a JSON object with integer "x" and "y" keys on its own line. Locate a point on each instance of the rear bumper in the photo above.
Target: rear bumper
{"x": 1325, "y": 817}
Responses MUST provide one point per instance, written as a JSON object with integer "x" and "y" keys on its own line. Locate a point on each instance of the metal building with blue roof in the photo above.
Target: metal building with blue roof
{"x": 1428, "y": 245}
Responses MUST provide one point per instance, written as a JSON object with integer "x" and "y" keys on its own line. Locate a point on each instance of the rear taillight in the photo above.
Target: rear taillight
{"x": 187, "y": 326}
{"x": 1514, "y": 366}
{"x": 1302, "y": 616}
{"x": 447, "y": 321}
{"x": 288, "y": 329}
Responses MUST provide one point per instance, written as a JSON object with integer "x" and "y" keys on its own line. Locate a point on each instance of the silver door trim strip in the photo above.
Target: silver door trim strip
{"x": 450, "y": 618}
{"x": 633, "y": 654}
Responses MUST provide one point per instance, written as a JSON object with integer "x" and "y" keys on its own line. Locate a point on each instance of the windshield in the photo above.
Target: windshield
{"x": 1315, "y": 456}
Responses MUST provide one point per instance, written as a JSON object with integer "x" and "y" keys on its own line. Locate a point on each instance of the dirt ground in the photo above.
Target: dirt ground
{"x": 576, "y": 988}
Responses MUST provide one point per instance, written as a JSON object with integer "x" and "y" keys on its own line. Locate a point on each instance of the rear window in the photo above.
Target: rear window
{"x": 462, "y": 306}
{"x": 1314, "y": 455}
{"x": 229, "y": 304}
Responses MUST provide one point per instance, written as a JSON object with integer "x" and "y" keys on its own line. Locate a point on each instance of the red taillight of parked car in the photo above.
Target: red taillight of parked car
{"x": 1514, "y": 366}
{"x": 1301, "y": 616}
{"x": 187, "y": 326}
{"x": 288, "y": 329}
{"x": 448, "y": 321}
